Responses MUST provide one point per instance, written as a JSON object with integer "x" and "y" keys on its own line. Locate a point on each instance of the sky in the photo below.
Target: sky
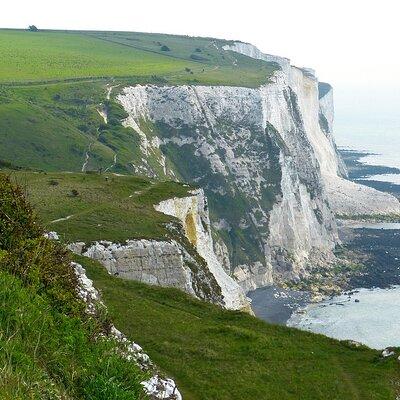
{"x": 352, "y": 44}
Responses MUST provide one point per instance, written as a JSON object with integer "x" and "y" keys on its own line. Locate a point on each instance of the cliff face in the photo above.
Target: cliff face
{"x": 266, "y": 159}
{"x": 347, "y": 198}
{"x": 254, "y": 152}
{"x": 192, "y": 212}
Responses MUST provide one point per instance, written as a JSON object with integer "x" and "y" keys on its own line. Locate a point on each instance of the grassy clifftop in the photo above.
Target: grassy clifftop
{"x": 55, "y": 56}
{"x": 88, "y": 207}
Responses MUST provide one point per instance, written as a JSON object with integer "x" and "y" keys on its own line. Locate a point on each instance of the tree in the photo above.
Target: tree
{"x": 33, "y": 28}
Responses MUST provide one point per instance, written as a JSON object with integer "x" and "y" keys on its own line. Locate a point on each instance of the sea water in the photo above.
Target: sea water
{"x": 370, "y": 125}
{"x": 369, "y": 316}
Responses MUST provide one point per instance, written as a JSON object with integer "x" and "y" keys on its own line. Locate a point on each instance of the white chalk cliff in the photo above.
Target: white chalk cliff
{"x": 267, "y": 161}
{"x": 193, "y": 213}
{"x": 346, "y": 198}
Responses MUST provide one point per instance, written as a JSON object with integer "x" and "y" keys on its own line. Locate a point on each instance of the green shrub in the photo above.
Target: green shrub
{"x": 17, "y": 219}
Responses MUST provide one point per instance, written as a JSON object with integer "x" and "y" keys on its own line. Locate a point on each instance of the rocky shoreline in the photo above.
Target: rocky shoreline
{"x": 368, "y": 258}
{"x": 359, "y": 171}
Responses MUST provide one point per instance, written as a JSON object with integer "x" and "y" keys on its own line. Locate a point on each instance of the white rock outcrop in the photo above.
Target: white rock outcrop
{"x": 191, "y": 266}
{"x": 192, "y": 212}
{"x": 154, "y": 262}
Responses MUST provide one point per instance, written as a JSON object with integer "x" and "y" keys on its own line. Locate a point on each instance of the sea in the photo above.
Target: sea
{"x": 368, "y": 316}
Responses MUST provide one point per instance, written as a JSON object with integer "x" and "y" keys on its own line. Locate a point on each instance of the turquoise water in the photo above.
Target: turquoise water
{"x": 372, "y": 320}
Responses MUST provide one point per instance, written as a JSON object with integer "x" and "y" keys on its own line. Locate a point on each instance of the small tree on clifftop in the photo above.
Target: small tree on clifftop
{"x": 33, "y": 28}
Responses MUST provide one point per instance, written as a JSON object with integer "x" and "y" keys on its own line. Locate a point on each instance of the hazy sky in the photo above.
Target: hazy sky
{"x": 350, "y": 43}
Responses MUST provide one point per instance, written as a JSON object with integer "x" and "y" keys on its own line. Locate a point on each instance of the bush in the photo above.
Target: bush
{"x": 17, "y": 219}
{"x": 165, "y": 48}
{"x": 196, "y": 57}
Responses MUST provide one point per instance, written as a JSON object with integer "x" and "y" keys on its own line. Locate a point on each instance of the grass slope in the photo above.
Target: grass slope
{"x": 106, "y": 207}
{"x": 218, "y": 354}
{"x": 53, "y": 127}
{"x": 54, "y": 55}
{"x": 45, "y": 354}
{"x": 36, "y": 56}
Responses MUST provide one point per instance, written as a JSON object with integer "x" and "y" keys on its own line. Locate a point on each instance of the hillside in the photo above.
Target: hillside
{"x": 51, "y": 347}
{"x": 211, "y": 352}
{"x": 226, "y": 355}
{"x": 89, "y": 207}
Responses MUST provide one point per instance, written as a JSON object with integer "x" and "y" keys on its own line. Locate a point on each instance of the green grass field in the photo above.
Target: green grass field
{"x": 225, "y": 355}
{"x": 106, "y": 207}
{"x": 36, "y": 56}
{"x": 57, "y": 56}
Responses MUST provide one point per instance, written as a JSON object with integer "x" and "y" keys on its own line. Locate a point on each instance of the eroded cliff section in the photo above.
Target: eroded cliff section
{"x": 187, "y": 261}
{"x": 193, "y": 214}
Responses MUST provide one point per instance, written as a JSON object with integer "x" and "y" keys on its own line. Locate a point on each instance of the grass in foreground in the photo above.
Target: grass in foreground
{"x": 99, "y": 207}
{"x": 45, "y": 354}
{"x": 218, "y": 354}
{"x": 49, "y": 346}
